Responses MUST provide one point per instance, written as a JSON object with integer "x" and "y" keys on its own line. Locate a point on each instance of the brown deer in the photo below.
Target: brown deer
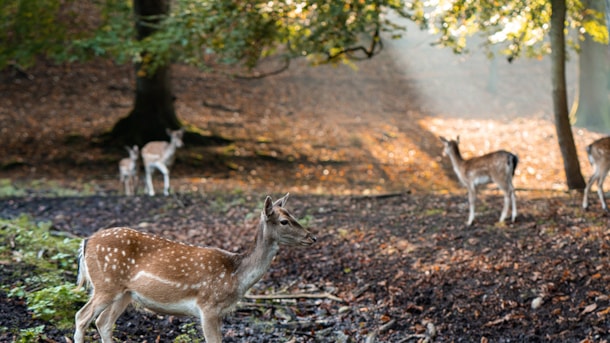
{"x": 497, "y": 167}
{"x": 160, "y": 155}
{"x": 128, "y": 170}
{"x": 599, "y": 156}
{"x": 123, "y": 265}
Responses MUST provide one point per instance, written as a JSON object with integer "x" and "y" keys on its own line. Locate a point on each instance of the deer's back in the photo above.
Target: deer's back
{"x": 495, "y": 164}
{"x": 158, "y": 270}
{"x": 600, "y": 149}
{"x": 154, "y": 151}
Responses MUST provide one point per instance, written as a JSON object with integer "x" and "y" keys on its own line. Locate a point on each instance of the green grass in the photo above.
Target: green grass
{"x": 44, "y": 187}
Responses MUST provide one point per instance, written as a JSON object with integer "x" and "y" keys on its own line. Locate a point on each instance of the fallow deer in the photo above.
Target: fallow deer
{"x": 497, "y": 167}
{"x": 128, "y": 170}
{"x": 160, "y": 155}
{"x": 599, "y": 156}
{"x": 123, "y": 265}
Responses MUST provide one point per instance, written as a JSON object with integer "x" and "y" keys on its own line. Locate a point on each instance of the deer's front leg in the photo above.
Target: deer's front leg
{"x": 165, "y": 171}
{"x": 472, "y": 196}
{"x": 149, "y": 184}
{"x": 211, "y": 328}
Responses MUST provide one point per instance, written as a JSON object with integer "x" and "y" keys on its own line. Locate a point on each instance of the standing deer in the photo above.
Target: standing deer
{"x": 122, "y": 265}
{"x": 498, "y": 167}
{"x": 128, "y": 170}
{"x": 599, "y": 156}
{"x": 160, "y": 155}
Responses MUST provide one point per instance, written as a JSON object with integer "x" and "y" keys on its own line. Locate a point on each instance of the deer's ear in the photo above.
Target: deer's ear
{"x": 282, "y": 201}
{"x": 457, "y": 139}
{"x": 268, "y": 209}
{"x": 443, "y": 139}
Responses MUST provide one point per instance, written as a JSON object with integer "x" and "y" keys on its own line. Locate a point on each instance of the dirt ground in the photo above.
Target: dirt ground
{"x": 359, "y": 152}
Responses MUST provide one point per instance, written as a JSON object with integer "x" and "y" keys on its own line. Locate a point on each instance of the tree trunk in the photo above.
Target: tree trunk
{"x": 594, "y": 107}
{"x": 560, "y": 99}
{"x": 153, "y": 110}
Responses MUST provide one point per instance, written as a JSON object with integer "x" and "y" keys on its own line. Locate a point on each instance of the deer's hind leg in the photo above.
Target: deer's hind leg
{"x": 600, "y": 187}
{"x": 92, "y": 309}
{"x": 105, "y": 321}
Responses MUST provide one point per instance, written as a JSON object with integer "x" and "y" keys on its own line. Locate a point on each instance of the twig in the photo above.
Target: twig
{"x": 306, "y": 324}
{"x": 294, "y": 296}
{"x": 370, "y": 338}
{"x": 221, "y": 107}
{"x": 426, "y": 338}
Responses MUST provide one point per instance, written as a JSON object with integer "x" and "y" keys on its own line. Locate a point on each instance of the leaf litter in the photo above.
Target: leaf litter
{"x": 394, "y": 261}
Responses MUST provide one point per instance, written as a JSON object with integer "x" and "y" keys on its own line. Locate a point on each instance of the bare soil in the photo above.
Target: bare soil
{"x": 359, "y": 152}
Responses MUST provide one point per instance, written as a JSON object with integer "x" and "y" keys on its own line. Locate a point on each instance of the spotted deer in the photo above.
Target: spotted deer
{"x": 497, "y": 167}
{"x": 160, "y": 155}
{"x": 123, "y": 265}
{"x": 128, "y": 170}
{"x": 599, "y": 157}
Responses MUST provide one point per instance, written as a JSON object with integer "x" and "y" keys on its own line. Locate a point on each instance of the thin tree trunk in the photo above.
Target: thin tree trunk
{"x": 565, "y": 138}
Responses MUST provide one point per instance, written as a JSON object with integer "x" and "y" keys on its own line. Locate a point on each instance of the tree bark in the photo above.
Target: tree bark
{"x": 153, "y": 110}
{"x": 593, "y": 105}
{"x": 565, "y": 138}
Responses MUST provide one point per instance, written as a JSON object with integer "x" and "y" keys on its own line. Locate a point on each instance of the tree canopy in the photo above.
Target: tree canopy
{"x": 519, "y": 28}
{"x": 194, "y": 32}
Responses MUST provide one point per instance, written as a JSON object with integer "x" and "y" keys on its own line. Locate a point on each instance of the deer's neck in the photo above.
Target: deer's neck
{"x": 255, "y": 263}
{"x": 457, "y": 162}
{"x": 168, "y": 154}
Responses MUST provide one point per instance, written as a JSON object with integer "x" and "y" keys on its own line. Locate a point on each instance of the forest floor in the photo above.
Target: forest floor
{"x": 358, "y": 151}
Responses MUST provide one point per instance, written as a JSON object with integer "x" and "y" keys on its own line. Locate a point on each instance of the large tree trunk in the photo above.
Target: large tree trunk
{"x": 153, "y": 110}
{"x": 594, "y": 107}
{"x": 565, "y": 138}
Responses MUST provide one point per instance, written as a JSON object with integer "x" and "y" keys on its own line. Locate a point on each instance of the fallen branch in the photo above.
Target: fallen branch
{"x": 294, "y": 296}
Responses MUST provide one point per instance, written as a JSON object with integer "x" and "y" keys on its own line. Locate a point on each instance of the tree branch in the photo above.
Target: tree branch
{"x": 324, "y": 295}
{"x": 369, "y": 53}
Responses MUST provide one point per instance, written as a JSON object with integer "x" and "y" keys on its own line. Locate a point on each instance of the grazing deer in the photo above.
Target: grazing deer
{"x": 599, "y": 156}
{"x": 160, "y": 155}
{"x": 122, "y": 265}
{"x": 128, "y": 170}
{"x": 498, "y": 167}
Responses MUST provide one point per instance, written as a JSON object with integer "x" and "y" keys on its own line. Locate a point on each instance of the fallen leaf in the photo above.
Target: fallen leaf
{"x": 589, "y": 308}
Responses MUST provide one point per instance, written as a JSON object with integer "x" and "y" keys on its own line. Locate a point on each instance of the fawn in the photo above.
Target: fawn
{"x": 160, "y": 155}
{"x": 169, "y": 277}
{"x": 128, "y": 170}
{"x": 497, "y": 167}
{"x": 599, "y": 156}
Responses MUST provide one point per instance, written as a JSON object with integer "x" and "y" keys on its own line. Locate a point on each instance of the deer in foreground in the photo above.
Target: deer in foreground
{"x": 160, "y": 155}
{"x": 497, "y": 167}
{"x": 128, "y": 170}
{"x": 169, "y": 277}
{"x": 599, "y": 156}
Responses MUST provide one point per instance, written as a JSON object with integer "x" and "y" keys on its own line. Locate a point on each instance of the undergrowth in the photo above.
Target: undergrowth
{"x": 44, "y": 268}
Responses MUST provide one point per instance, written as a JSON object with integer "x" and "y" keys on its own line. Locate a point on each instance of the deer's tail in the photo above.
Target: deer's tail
{"x": 83, "y": 273}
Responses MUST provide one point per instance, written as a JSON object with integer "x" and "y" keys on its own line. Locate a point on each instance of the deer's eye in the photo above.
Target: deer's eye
{"x": 284, "y": 222}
